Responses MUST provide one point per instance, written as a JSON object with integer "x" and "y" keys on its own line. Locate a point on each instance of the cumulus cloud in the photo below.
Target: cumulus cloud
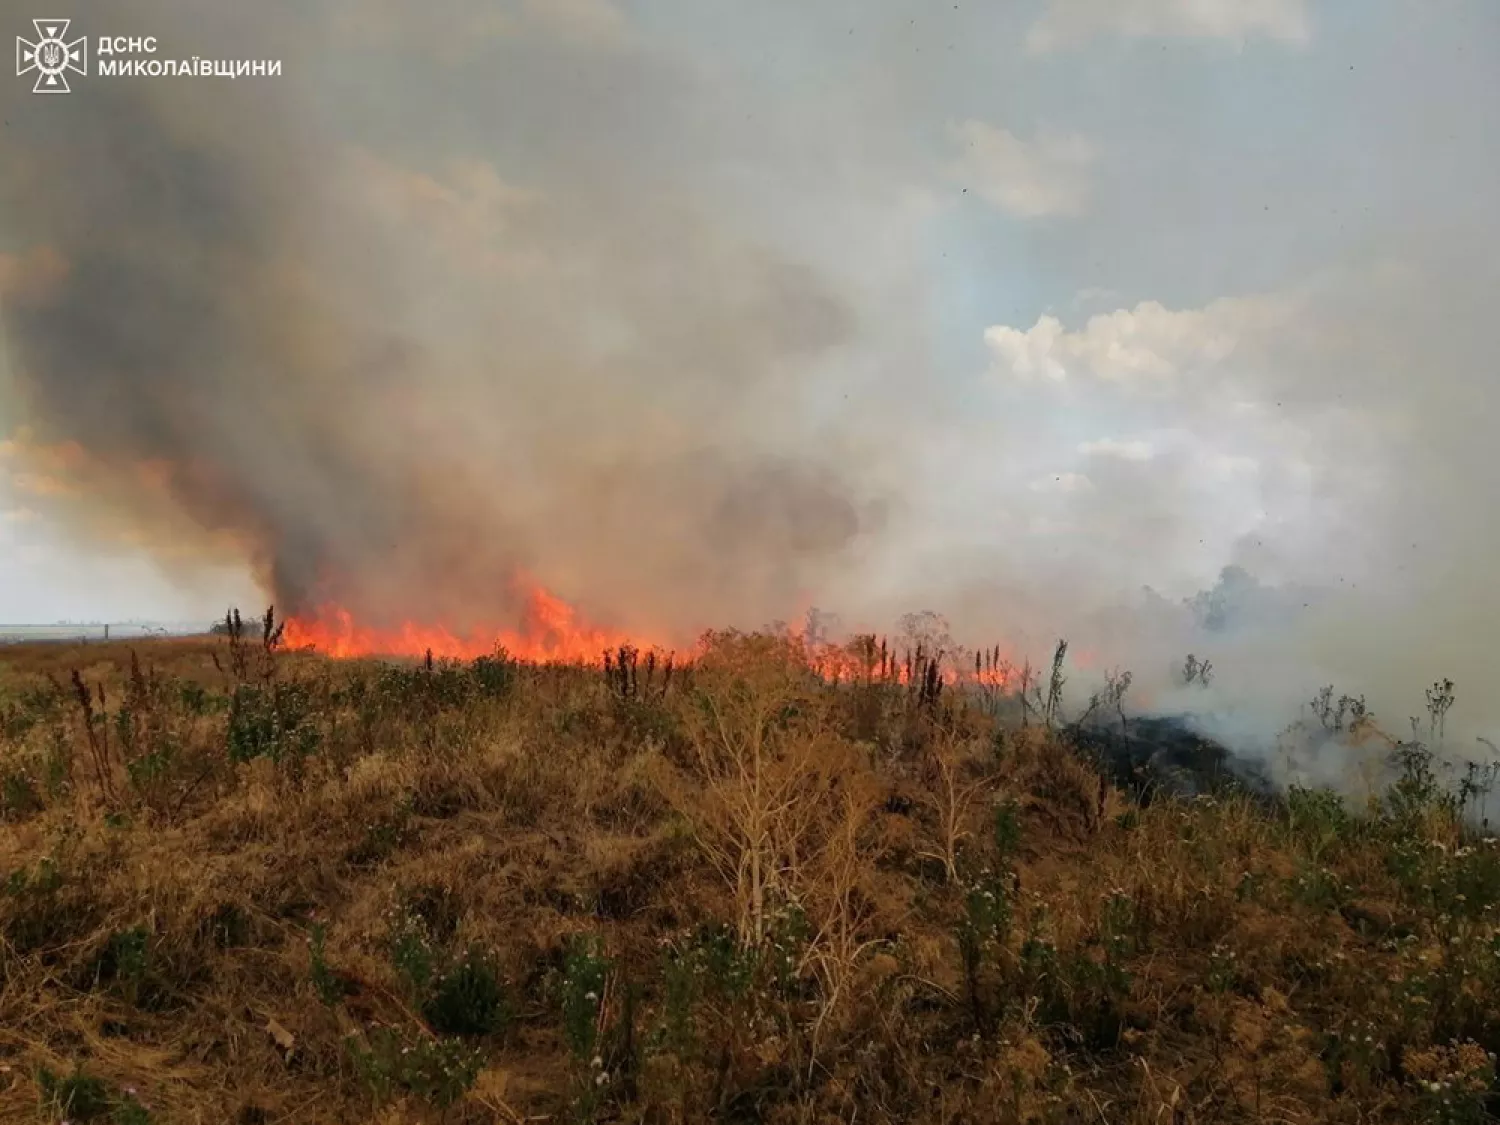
{"x": 1048, "y": 175}
{"x": 1215, "y": 458}
{"x": 1140, "y": 344}
{"x": 1066, "y": 23}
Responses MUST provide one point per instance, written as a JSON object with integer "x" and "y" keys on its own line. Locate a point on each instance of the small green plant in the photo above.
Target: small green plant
{"x": 1355, "y": 1055}
{"x": 983, "y": 928}
{"x": 1468, "y": 884}
{"x": 81, "y": 1097}
{"x": 494, "y": 676}
{"x": 129, "y": 1111}
{"x": 74, "y": 1097}
{"x": 274, "y": 720}
{"x": 786, "y": 940}
{"x": 125, "y": 962}
{"x": 585, "y": 975}
{"x": 329, "y": 986}
{"x": 585, "y": 985}
{"x": 708, "y": 964}
{"x": 413, "y": 953}
{"x": 682, "y": 982}
{"x": 1223, "y": 970}
{"x": 730, "y": 967}
{"x": 147, "y": 744}
{"x": 383, "y": 835}
{"x": 468, "y": 998}
{"x": 1318, "y": 887}
{"x": 1091, "y": 988}
{"x": 19, "y": 798}
{"x": 1250, "y": 886}
{"x": 47, "y": 879}
{"x": 196, "y": 700}
{"x": 1040, "y": 968}
{"x": 1119, "y": 927}
{"x": 1317, "y": 819}
{"x": 228, "y": 927}
{"x": 597, "y": 1025}
{"x": 38, "y": 912}
{"x": 1418, "y": 792}
{"x": 438, "y": 1071}
{"x": 1006, "y": 831}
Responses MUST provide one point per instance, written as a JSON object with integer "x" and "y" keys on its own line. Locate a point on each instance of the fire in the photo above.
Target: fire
{"x": 550, "y": 631}
{"x": 553, "y": 632}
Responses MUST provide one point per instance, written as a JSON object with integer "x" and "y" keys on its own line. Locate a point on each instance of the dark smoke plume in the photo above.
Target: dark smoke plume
{"x": 399, "y": 388}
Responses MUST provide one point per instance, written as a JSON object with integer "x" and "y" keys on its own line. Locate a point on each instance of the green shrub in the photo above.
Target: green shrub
{"x": 75, "y": 1097}
{"x": 585, "y": 975}
{"x": 437, "y": 1071}
{"x": 468, "y": 998}
{"x": 273, "y": 721}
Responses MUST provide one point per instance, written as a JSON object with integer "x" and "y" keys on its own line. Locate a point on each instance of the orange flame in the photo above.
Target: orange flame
{"x": 550, "y": 632}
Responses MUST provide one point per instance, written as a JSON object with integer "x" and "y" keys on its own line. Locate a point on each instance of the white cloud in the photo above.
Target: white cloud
{"x": 1171, "y": 435}
{"x": 1029, "y": 179}
{"x": 1148, "y": 342}
{"x": 1123, "y": 450}
{"x": 1066, "y": 23}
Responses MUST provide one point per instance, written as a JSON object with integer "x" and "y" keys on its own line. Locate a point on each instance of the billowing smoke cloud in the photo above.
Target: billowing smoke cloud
{"x": 698, "y": 333}
{"x": 401, "y": 379}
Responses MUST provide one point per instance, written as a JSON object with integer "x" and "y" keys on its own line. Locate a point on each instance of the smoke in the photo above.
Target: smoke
{"x": 701, "y": 335}
{"x": 398, "y": 380}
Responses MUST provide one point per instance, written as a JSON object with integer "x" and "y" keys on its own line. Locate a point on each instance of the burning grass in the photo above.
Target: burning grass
{"x": 242, "y": 884}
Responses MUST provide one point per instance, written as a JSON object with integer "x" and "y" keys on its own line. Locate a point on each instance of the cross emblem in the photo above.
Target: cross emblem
{"x": 51, "y": 57}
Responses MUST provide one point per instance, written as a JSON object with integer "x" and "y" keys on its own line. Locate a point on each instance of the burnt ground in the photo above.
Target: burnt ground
{"x": 1162, "y": 756}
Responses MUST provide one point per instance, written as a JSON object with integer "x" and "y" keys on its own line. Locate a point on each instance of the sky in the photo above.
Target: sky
{"x": 1008, "y": 310}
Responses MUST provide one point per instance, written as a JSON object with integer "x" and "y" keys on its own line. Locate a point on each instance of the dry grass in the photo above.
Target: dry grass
{"x": 240, "y": 885}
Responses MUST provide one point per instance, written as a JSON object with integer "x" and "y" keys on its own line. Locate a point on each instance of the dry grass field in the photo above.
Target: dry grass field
{"x": 241, "y": 886}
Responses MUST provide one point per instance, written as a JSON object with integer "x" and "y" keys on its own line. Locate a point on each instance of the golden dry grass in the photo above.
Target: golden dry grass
{"x": 749, "y": 895}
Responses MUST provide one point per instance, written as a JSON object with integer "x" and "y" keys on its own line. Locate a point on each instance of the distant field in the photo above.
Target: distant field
{"x": 12, "y": 634}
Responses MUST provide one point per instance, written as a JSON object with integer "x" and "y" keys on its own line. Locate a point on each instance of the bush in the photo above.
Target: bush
{"x": 467, "y": 999}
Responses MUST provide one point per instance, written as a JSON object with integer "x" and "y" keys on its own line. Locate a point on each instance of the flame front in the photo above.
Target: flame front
{"x": 550, "y": 631}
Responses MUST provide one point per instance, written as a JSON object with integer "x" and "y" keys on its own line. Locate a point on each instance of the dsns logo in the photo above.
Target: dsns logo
{"x": 51, "y": 57}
